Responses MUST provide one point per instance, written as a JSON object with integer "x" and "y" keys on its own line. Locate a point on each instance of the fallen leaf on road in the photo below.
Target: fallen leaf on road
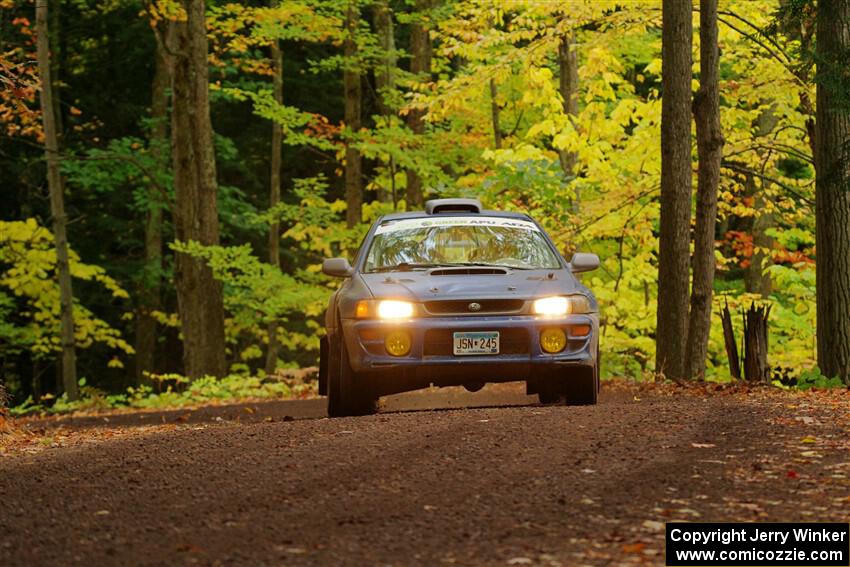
{"x": 296, "y": 550}
{"x": 653, "y": 525}
{"x": 520, "y": 561}
{"x": 703, "y": 445}
{"x": 633, "y": 548}
{"x": 689, "y": 512}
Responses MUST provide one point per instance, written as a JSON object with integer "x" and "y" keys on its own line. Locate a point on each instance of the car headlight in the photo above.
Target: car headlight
{"x": 384, "y": 309}
{"x": 560, "y": 305}
{"x": 392, "y": 309}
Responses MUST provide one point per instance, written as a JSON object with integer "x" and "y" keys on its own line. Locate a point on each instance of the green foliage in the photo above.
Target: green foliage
{"x": 793, "y": 321}
{"x": 814, "y": 379}
{"x": 29, "y": 305}
{"x": 125, "y": 162}
{"x": 170, "y": 391}
{"x": 256, "y": 294}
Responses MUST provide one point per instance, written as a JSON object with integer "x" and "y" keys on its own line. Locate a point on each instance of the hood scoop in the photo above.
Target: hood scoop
{"x": 468, "y": 271}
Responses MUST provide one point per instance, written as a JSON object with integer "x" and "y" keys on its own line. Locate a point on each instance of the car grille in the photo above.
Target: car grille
{"x": 438, "y": 342}
{"x": 461, "y": 307}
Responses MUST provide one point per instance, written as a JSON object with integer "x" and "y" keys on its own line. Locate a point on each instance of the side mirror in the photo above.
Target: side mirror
{"x": 584, "y": 262}
{"x": 337, "y": 267}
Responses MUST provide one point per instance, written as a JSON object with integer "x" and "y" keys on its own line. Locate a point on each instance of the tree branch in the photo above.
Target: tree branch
{"x": 749, "y": 171}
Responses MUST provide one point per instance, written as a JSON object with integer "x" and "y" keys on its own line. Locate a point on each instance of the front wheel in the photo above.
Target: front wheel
{"x": 348, "y": 392}
{"x": 579, "y": 386}
{"x": 582, "y": 388}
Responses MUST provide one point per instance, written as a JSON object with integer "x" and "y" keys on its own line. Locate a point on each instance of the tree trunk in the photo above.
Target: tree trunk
{"x": 56, "y": 188}
{"x": 382, "y": 18}
{"x": 832, "y": 162}
{"x": 199, "y": 295}
{"x": 568, "y": 86}
{"x": 730, "y": 343}
{"x": 351, "y": 84}
{"x": 55, "y": 68}
{"x": 710, "y": 151}
{"x": 756, "y": 279}
{"x": 274, "y": 195}
{"x": 150, "y": 292}
{"x": 673, "y": 256}
{"x": 756, "y": 368}
{"x": 494, "y": 111}
{"x": 385, "y": 74}
{"x": 420, "y": 65}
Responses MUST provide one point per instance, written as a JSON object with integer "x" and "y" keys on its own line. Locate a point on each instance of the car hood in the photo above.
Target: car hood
{"x": 424, "y": 286}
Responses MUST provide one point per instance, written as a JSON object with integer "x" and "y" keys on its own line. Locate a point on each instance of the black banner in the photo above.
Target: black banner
{"x": 758, "y": 544}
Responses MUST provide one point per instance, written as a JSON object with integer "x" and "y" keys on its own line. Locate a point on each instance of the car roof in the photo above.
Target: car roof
{"x": 423, "y": 214}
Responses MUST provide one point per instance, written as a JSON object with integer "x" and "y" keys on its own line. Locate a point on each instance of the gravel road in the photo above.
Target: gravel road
{"x": 518, "y": 484}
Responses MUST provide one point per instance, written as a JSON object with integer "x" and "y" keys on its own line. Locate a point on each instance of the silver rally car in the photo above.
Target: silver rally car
{"x": 457, "y": 295}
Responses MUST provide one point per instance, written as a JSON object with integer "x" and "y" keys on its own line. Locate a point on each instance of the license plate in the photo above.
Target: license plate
{"x": 478, "y": 342}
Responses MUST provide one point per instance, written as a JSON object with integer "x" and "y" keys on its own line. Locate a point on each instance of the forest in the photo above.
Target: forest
{"x": 174, "y": 172}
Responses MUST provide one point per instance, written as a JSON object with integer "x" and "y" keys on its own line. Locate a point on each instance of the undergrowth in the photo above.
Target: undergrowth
{"x": 170, "y": 391}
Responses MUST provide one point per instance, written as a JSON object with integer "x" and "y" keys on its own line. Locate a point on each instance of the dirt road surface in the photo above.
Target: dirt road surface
{"x": 511, "y": 483}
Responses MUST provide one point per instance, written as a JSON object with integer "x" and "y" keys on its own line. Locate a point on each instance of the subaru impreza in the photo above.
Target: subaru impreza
{"x": 456, "y": 295}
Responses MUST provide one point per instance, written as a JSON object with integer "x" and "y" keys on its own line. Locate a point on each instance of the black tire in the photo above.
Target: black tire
{"x": 348, "y": 392}
{"x": 323, "y": 366}
{"x": 598, "y": 370}
{"x": 582, "y": 387}
{"x": 550, "y": 396}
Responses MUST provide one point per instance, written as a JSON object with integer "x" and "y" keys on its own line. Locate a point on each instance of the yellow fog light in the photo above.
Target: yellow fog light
{"x": 397, "y": 343}
{"x": 553, "y": 340}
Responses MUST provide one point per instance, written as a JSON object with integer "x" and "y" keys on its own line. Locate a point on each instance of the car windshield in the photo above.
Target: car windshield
{"x": 427, "y": 242}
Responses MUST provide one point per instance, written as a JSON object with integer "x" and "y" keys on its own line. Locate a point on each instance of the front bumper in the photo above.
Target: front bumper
{"x": 430, "y": 360}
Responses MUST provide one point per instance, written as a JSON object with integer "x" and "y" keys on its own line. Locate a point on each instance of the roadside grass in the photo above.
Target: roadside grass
{"x": 169, "y": 391}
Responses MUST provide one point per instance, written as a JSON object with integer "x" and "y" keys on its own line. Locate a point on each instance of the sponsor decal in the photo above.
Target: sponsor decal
{"x": 430, "y": 222}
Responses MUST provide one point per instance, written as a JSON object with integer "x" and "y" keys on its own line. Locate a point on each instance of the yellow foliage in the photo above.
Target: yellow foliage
{"x": 27, "y": 268}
